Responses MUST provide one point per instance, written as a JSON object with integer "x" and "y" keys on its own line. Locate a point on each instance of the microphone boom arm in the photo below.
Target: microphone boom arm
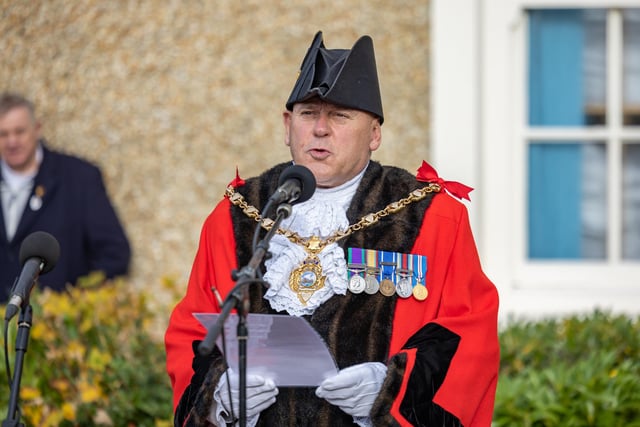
{"x": 239, "y": 298}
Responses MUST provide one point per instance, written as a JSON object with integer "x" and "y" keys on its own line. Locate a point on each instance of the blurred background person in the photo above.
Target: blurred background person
{"x": 44, "y": 190}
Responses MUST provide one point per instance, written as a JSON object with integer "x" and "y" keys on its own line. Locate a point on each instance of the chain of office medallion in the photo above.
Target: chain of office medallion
{"x": 366, "y": 221}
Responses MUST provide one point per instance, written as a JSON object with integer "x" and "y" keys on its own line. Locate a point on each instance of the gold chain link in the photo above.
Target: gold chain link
{"x": 314, "y": 244}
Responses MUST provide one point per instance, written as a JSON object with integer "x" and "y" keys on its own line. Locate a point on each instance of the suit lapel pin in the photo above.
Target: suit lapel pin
{"x": 35, "y": 202}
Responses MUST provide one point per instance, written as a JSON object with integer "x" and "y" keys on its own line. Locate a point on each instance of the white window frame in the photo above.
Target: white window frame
{"x": 478, "y": 111}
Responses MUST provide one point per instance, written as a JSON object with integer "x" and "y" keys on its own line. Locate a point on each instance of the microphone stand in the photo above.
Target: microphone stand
{"x": 22, "y": 341}
{"x": 238, "y": 298}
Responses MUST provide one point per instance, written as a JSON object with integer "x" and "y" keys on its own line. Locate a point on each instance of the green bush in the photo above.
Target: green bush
{"x": 575, "y": 371}
{"x": 95, "y": 358}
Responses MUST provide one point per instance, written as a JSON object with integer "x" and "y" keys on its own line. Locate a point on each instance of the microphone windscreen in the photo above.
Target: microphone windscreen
{"x": 43, "y": 245}
{"x": 306, "y": 178}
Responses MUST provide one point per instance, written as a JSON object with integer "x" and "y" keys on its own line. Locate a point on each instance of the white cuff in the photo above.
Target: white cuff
{"x": 219, "y": 416}
{"x": 363, "y": 421}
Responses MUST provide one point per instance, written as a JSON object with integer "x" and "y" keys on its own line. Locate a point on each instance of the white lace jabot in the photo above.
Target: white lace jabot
{"x": 321, "y": 216}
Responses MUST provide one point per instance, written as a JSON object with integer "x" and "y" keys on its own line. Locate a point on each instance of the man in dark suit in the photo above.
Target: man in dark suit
{"x": 43, "y": 190}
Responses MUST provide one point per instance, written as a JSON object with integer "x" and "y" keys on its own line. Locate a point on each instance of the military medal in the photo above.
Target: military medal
{"x": 404, "y": 282}
{"x": 387, "y": 287}
{"x": 388, "y": 266}
{"x": 403, "y": 287}
{"x": 420, "y": 291}
{"x": 371, "y": 279}
{"x": 372, "y": 284}
{"x": 356, "y": 266}
{"x": 356, "y": 282}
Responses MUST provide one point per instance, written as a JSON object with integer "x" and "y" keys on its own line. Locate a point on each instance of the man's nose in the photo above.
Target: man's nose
{"x": 322, "y": 124}
{"x": 11, "y": 138}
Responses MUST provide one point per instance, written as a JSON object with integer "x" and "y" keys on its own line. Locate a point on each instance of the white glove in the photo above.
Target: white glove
{"x": 261, "y": 393}
{"x": 354, "y": 389}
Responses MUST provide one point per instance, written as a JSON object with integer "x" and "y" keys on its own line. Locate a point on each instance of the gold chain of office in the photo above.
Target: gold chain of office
{"x": 314, "y": 244}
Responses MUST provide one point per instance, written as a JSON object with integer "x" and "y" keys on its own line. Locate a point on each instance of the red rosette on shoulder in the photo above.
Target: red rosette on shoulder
{"x": 426, "y": 173}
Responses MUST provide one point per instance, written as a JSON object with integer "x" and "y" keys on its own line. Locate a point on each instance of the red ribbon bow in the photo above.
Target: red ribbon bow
{"x": 427, "y": 173}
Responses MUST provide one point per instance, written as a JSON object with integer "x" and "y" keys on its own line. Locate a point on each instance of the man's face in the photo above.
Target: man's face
{"x": 334, "y": 142}
{"x": 19, "y": 134}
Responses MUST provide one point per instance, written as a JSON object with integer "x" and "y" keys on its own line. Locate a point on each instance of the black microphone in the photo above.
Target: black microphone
{"x": 295, "y": 185}
{"x": 39, "y": 253}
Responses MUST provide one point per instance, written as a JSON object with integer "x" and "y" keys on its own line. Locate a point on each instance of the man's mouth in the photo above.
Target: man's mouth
{"x": 319, "y": 153}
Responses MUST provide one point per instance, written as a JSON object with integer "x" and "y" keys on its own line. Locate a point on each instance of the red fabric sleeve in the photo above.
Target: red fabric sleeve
{"x": 214, "y": 261}
{"x": 461, "y": 299}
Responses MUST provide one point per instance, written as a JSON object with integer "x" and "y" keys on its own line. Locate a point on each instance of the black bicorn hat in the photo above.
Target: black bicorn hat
{"x": 346, "y": 77}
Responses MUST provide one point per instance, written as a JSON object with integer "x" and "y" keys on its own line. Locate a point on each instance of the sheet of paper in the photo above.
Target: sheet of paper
{"x": 284, "y": 348}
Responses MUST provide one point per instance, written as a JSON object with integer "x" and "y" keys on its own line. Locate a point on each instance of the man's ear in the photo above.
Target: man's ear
{"x": 286, "y": 120}
{"x": 376, "y": 135}
{"x": 38, "y": 127}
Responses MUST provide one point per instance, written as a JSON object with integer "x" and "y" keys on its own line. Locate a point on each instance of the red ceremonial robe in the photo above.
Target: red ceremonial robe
{"x": 442, "y": 353}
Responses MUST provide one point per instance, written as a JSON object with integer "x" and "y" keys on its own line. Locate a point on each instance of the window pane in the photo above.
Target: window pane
{"x": 631, "y": 201}
{"x": 567, "y": 201}
{"x": 567, "y": 67}
{"x": 631, "y": 67}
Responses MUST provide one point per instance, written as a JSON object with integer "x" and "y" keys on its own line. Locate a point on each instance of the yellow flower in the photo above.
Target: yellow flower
{"x": 29, "y": 393}
{"x": 86, "y": 324}
{"x": 98, "y": 360}
{"x": 75, "y": 350}
{"x": 53, "y": 418}
{"x": 69, "y": 411}
{"x": 57, "y": 304}
{"x": 42, "y": 332}
{"x": 89, "y": 393}
{"x": 33, "y": 413}
{"x": 61, "y": 384}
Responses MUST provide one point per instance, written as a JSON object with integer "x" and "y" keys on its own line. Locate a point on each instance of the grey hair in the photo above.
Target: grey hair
{"x": 9, "y": 101}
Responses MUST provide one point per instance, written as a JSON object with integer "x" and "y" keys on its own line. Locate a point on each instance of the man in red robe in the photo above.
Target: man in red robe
{"x": 381, "y": 263}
